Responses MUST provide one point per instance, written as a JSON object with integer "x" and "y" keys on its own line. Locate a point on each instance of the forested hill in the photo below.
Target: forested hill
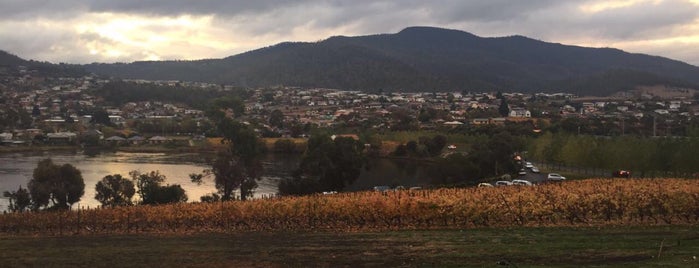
{"x": 425, "y": 58}
{"x": 11, "y": 61}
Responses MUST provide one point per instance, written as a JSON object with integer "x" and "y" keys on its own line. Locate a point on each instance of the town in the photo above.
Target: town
{"x": 67, "y": 110}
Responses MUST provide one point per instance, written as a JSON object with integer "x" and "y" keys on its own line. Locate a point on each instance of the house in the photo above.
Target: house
{"x": 61, "y": 137}
{"x": 453, "y": 123}
{"x": 488, "y": 121}
{"x": 158, "y": 140}
{"x": 5, "y": 136}
{"x": 520, "y": 112}
{"x": 136, "y": 140}
{"x": 480, "y": 121}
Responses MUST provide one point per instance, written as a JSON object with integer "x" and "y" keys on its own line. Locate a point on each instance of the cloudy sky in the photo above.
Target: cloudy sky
{"x": 84, "y": 31}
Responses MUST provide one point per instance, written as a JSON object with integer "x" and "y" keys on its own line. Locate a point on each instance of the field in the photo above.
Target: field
{"x": 597, "y": 222}
{"x": 489, "y": 247}
{"x": 595, "y": 202}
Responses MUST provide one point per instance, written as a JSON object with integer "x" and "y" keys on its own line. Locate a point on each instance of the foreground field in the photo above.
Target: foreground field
{"x": 599, "y": 202}
{"x": 484, "y": 247}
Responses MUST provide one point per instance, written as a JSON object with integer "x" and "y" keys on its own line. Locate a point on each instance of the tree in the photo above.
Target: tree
{"x": 495, "y": 156}
{"x": 435, "y": 145}
{"x": 327, "y": 165}
{"x": 426, "y": 115}
{"x": 19, "y": 200}
{"x": 62, "y": 186}
{"x": 36, "y": 111}
{"x": 239, "y": 165}
{"x": 234, "y": 103}
{"x": 411, "y": 147}
{"x": 100, "y": 116}
{"x": 152, "y": 192}
{"x": 450, "y": 98}
{"x": 504, "y": 108}
{"x": 455, "y": 169}
{"x": 276, "y": 118}
{"x": 114, "y": 190}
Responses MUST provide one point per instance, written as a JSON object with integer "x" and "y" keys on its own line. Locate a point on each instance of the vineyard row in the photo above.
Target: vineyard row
{"x": 592, "y": 202}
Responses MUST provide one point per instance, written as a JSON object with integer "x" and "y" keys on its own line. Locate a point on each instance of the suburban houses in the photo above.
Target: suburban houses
{"x": 53, "y": 111}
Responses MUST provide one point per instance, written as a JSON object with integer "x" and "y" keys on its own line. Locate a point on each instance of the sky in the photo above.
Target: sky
{"x": 86, "y": 31}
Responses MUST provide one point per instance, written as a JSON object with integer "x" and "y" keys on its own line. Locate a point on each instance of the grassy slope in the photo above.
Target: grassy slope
{"x": 525, "y": 247}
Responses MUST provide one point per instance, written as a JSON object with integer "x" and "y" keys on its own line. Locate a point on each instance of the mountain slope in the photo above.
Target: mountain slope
{"x": 425, "y": 58}
{"x": 11, "y": 61}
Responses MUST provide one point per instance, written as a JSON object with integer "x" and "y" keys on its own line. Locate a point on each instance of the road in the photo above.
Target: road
{"x": 533, "y": 177}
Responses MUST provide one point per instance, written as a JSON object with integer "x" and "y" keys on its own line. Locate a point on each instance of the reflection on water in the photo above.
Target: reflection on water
{"x": 16, "y": 170}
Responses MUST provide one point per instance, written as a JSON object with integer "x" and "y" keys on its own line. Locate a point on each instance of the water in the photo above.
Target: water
{"x": 16, "y": 170}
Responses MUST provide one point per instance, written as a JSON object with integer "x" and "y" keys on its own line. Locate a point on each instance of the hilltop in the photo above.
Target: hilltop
{"x": 425, "y": 59}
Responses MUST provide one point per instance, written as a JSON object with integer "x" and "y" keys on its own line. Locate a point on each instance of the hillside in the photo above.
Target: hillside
{"x": 425, "y": 58}
{"x": 11, "y": 62}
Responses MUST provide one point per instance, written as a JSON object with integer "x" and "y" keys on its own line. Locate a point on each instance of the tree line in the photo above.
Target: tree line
{"x": 643, "y": 155}
{"x": 58, "y": 187}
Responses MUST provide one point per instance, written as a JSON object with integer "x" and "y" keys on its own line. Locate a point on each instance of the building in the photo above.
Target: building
{"x": 520, "y": 112}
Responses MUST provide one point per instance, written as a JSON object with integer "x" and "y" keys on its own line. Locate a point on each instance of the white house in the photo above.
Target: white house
{"x": 520, "y": 112}
{"x": 5, "y": 136}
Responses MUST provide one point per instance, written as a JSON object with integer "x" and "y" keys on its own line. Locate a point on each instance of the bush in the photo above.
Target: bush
{"x": 299, "y": 186}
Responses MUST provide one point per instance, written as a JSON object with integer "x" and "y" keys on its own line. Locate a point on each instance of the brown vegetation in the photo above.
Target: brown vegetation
{"x": 594, "y": 202}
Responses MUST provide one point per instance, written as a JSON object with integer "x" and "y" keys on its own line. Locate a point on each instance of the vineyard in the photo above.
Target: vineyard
{"x": 592, "y": 202}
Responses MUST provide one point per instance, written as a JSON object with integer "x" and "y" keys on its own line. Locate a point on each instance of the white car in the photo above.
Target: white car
{"x": 555, "y": 177}
{"x": 503, "y": 183}
{"x": 484, "y": 184}
{"x": 522, "y": 182}
{"x": 528, "y": 165}
{"x": 535, "y": 169}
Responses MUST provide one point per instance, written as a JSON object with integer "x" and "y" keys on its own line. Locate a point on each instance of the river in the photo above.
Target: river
{"x": 16, "y": 169}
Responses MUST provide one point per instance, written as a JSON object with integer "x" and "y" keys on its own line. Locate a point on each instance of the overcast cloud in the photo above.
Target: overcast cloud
{"x": 83, "y": 31}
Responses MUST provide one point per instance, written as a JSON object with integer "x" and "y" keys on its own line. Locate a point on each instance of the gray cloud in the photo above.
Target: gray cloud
{"x": 251, "y": 24}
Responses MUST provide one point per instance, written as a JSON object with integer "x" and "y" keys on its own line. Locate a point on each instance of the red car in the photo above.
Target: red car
{"x": 621, "y": 174}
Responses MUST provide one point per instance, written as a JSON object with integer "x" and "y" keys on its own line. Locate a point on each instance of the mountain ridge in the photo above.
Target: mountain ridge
{"x": 423, "y": 58}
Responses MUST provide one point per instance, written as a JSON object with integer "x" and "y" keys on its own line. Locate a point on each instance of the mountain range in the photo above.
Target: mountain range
{"x": 424, "y": 59}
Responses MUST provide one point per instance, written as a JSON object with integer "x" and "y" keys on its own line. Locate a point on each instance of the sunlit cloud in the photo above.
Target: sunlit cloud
{"x": 600, "y": 6}
{"x": 83, "y": 31}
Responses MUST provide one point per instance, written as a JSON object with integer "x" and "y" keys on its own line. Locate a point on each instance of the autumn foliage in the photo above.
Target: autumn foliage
{"x": 595, "y": 202}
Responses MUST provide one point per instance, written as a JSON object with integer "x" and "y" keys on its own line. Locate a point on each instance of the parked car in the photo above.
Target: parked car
{"x": 522, "y": 183}
{"x": 522, "y": 172}
{"x": 621, "y": 174}
{"x": 555, "y": 177}
{"x": 484, "y": 184}
{"x": 528, "y": 165}
{"x": 382, "y": 188}
{"x": 535, "y": 170}
{"x": 503, "y": 183}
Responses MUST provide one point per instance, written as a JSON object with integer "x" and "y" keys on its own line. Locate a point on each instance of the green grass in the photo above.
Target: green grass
{"x": 522, "y": 247}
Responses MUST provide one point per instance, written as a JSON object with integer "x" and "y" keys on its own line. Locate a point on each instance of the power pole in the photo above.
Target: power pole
{"x": 654, "y": 125}
{"x": 623, "y": 130}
